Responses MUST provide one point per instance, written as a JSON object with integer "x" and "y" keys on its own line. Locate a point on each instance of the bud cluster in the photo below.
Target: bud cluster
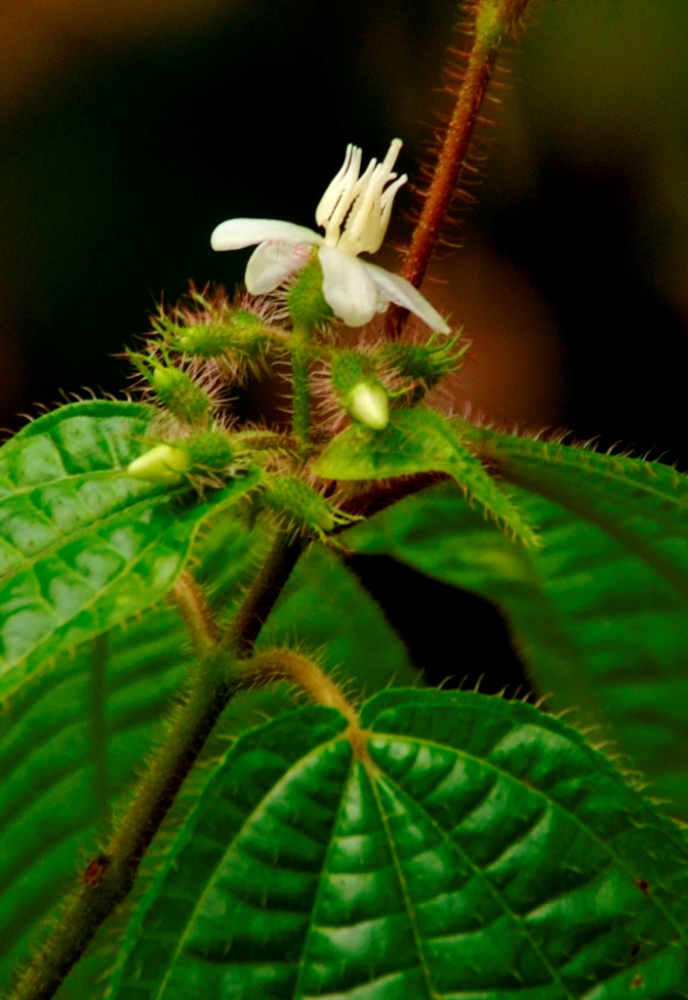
{"x": 367, "y": 383}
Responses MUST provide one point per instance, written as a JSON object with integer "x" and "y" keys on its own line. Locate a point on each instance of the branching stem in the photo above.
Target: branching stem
{"x": 285, "y": 664}
{"x": 191, "y": 601}
{"x": 109, "y": 878}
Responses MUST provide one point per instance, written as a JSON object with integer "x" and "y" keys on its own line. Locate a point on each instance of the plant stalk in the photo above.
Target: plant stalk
{"x": 494, "y": 19}
{"x": 109, "y": 877}
{"x": 301, "y": 389}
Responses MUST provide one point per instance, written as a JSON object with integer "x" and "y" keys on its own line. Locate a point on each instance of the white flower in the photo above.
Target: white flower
{"x": 354, "y": 212}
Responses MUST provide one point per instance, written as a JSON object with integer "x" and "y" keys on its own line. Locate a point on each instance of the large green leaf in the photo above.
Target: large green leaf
{"x": 600, "y": 611}
{"x": 83, "y": 546}
{"x": 418, "y": 440}
{"x": 475, "y": 848}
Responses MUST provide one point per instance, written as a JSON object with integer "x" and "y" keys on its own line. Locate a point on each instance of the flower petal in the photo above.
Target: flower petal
{"x": 271, "y": 263}
{"x": 396, "y": 289}
{"x": 347, "y": 287}
{"x": 237, "y": 233}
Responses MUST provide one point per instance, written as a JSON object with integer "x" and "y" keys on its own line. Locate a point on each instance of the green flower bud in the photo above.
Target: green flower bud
{"x": 241, "y": 331}
{"x": 302, "y": 505}
{"x": 163, "y": 464}
{"x": 210, "y": 450}
{"x": 180, "y": 394}
{"x": 427, "y": 363}
{"x": 307, "y": 307}
{"x": 369, "y": 405}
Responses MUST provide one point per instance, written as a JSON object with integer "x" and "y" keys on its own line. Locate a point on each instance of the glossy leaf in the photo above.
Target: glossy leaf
{"x": 419, "y": 440}
{"x": 599, "y": 613}
{"x": 476, "y": 848}
{"x": 83, "y": 546}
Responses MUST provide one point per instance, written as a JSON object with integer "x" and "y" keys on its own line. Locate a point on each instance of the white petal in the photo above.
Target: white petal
{"x": 347, "y": 287}
{"x": 396, "y": 289}
{"x": 271, "y": 263}
{"x": 237, "y": 233}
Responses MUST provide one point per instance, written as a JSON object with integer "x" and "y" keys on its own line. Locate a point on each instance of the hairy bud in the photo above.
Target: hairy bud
{"x": 180, "y": 394}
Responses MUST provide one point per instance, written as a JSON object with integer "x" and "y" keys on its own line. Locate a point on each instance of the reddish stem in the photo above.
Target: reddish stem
{"x": 451, "y": 159}
{"x": 505, "y": 16}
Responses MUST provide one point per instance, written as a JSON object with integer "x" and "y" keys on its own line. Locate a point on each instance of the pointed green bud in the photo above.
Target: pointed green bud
{"x": 180, "y": 394}
{"x": 369, "y": 405}
{"x": 307, "y": 307}
{"x": 164, "y": 464}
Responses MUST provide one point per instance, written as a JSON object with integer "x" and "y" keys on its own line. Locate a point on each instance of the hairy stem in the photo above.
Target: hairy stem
{"x": 301, "y": 389}
{"x": 109, "y": 878}
{"x": 301, "y": 418}
{"x": 493, "y": 20}
{"x": 262, "y": 596}
{"x": 285, "y": 664}
{"x": 191, "y": 601}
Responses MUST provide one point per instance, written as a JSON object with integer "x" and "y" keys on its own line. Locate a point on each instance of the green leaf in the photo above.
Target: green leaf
{"x": 83, "y": 546}
{"x": 600, "y": 612}
{"x": 325, "y": 609}
{"x": 73, "y": 738}
{"x": 477, "y": 848}
{"x": 414, "y": 441}
{"x": 50, "y": 756}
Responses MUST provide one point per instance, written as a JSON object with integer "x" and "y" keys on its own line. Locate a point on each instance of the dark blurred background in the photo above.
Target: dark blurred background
{"x": 128, "y": 131}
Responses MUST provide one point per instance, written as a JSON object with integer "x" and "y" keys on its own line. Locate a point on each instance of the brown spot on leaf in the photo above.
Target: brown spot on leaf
{"x": 643, "y": 886}
{"x": 637, "y": 982}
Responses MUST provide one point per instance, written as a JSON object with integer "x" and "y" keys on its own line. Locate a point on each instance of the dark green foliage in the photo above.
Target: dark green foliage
{"x": 599, "y": 612}
{"x": 59, "y": 779}
{"x": 481, "y": 848}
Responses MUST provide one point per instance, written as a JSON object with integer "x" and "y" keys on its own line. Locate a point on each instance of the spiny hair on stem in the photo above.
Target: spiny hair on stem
{"x": 472, "y": 167}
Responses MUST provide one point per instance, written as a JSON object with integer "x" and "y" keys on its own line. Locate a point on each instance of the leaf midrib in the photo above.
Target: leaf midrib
{"x": 249, "y": 818}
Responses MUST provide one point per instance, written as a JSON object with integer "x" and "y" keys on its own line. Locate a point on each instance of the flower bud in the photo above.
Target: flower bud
{"x": 180, "y": 394}
{"x": 242, "y": 331}
{"x": 163, "y": 464}
{"x": 369, "y": 405}
{"x": 211, "y": 450}
{"x": 301, "y": 505}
